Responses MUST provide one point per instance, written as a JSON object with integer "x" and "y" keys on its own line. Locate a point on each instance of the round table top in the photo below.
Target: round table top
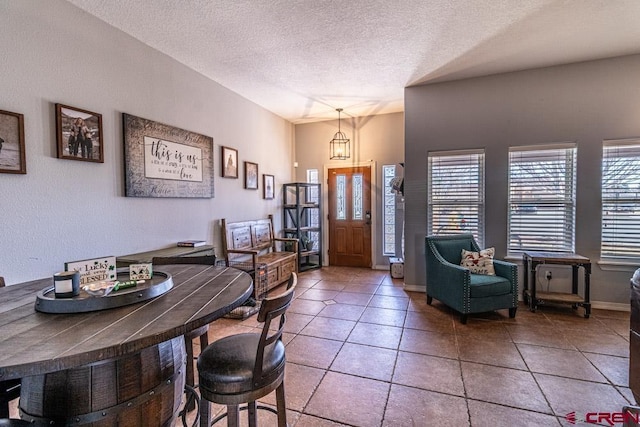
{"x": 33, "y": 343}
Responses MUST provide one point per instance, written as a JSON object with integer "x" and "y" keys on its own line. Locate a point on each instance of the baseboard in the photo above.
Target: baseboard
{"x": 415, "y": 288}
{"x": 602, "y": 305}
{"x": 613, "y": 306}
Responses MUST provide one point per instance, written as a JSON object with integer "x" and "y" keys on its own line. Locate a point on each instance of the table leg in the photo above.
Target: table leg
{"x": 525, "y": 279}
{"x": 533, "y": 305}
{"x": 587, "y": 296}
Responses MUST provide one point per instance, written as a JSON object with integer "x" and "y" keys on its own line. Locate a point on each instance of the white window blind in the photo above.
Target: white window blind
{"x": 456, "y": 193}
{"x": 621, "y": 200}
{"x": 542, "y": 187}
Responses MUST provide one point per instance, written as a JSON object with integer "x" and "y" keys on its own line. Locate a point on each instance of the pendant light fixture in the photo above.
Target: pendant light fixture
{"x": 339, "y": 145}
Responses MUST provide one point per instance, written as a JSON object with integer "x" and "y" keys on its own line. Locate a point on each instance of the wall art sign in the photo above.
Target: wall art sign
{"x": 165, "y": 161}
{"x": 12, "y": 154}
{"x": 79, "y": 134}
{"x": 94, "y": 270}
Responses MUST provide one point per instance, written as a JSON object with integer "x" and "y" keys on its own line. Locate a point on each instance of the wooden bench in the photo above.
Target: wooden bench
{"x": 250, "y": 244}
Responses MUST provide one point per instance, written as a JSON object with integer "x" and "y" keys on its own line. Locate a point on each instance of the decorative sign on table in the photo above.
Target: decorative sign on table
{"x": 165, "y": 161}
{"x": 94, "y": 270}
{"x": 140, "y": 271}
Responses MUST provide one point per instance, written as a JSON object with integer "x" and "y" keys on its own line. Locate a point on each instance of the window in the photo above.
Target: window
{"x": 542, "y": 187}
{"x": 456, "y": 193}
{"x": 313, "y": 176}
{"x": 389, "y": 211}
{"x": 621, "y": 200}
{"x": 313, "y": 197}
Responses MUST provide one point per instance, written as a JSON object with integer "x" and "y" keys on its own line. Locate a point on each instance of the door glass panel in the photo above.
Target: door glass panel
{"x": 357, "y": 196}
{"x": 341, "y": 184}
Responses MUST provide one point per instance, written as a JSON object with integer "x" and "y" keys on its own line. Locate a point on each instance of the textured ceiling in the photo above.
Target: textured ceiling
{"x": 301, "y": 59}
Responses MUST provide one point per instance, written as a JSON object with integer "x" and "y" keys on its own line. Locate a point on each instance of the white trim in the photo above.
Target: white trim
{"x": 615, "y": 142}
{"x": 380, "y": 267}
{"x": 549, "y": 146}
{"x": 455, "y": 152}
{"x": 415, "y": 288}
{"x": 374, "y": 203}
{"x": 614, "y": 306}
{"x": 607, "y": 265}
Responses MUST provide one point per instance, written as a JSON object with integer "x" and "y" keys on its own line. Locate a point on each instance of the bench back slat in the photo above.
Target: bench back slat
{"x": 247, "y": 235}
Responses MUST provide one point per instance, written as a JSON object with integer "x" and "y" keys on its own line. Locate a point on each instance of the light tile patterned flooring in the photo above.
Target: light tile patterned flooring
{"x": 361, "y": 351}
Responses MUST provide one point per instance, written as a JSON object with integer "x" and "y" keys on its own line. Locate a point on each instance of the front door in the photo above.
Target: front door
{"x": 350, "y": 216}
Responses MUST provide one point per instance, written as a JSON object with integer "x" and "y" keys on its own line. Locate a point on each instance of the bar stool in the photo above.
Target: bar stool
{"x": 201, "y": 332}
{"x": 9, "y": 389}
{"x": 242, "y": 368}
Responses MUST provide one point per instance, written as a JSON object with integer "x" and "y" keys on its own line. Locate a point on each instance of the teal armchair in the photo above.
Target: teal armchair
{"x": 458, "y": 288}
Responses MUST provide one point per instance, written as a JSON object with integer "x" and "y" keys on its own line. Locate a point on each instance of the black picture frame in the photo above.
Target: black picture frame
{"x": 268, "y": 186}
{"x": 250, "y": 176}
{"x": 79, "y": 134}
{"x": 229, "y": 162}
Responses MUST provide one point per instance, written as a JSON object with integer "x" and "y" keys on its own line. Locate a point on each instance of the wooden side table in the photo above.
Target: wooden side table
{"x": 141, "y": 257}
{"x": 532, "y": 297}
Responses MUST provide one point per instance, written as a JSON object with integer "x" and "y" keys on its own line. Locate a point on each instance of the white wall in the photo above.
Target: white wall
{"x": 586, "y": 103}
{"x": 64, "y": 210}
{"x": 374, "y": 139}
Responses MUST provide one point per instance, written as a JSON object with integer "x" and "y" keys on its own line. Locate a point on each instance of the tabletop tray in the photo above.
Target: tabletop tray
{"x": 158, "y": 285}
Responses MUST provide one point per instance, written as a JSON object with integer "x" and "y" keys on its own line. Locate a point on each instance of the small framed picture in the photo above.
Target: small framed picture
{"x": 268, "y": 186}
{"x": 229, "y": 162}
{"x": 79, "y": 134}
{"x": 12, "y": 153}
{"x": 250, "y": 176}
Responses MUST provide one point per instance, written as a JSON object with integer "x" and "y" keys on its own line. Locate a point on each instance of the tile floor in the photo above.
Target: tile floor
{"x": 361, "y": 351}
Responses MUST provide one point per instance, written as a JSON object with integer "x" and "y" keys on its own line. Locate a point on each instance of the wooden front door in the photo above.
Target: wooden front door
{"x": 350, "y": 216}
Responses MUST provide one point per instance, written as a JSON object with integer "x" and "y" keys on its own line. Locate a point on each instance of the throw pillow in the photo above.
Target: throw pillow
{"x": 479, "y": 262}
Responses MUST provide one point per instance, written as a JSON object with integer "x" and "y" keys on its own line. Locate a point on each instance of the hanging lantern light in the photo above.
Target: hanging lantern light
{"x": 339, "y": 145}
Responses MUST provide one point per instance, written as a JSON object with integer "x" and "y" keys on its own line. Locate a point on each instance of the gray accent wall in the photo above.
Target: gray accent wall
{"x": 585, "y": 102}
{"x": 64, "y": 210}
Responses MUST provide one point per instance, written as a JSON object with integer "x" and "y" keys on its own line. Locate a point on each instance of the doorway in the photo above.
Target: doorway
{"x": 349, "y": 193}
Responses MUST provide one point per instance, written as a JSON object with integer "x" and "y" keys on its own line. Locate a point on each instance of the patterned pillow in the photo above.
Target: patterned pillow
{"x": 479, "y": 262}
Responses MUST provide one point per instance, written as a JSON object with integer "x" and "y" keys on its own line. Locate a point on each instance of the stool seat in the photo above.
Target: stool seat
{"x": 242, "y": 368}
{"x": 226, "y": 367}
{"x": 6, "y": 422}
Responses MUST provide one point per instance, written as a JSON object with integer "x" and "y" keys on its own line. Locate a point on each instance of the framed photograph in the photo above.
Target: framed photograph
{"x": 229, "y": 158}
{"x": 166, "y": 161}
{"x": 79, "y": 134}
{"x": 12, "y": 153}
{"x": 268, "y": 186}
{"x": 250, "y": 176}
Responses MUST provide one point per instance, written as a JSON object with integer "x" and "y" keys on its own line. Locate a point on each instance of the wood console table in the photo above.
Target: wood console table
{"x": 126, "y": 260}
{"x": 532, "y": 297}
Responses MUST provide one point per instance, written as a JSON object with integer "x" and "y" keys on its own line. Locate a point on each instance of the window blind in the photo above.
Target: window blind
{"x": 542, "y": 187}
{"x": 456, "y": 193}
{"x": 621, "y": 200}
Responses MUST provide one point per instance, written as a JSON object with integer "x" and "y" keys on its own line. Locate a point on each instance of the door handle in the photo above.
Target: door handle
{"x": 367, "y": 216}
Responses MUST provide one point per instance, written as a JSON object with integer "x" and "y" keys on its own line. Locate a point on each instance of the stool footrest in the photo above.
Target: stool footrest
{"x": 244, "y": 408}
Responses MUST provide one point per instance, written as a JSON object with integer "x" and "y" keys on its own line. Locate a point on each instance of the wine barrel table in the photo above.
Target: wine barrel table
{"x": 119, "y": 366}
